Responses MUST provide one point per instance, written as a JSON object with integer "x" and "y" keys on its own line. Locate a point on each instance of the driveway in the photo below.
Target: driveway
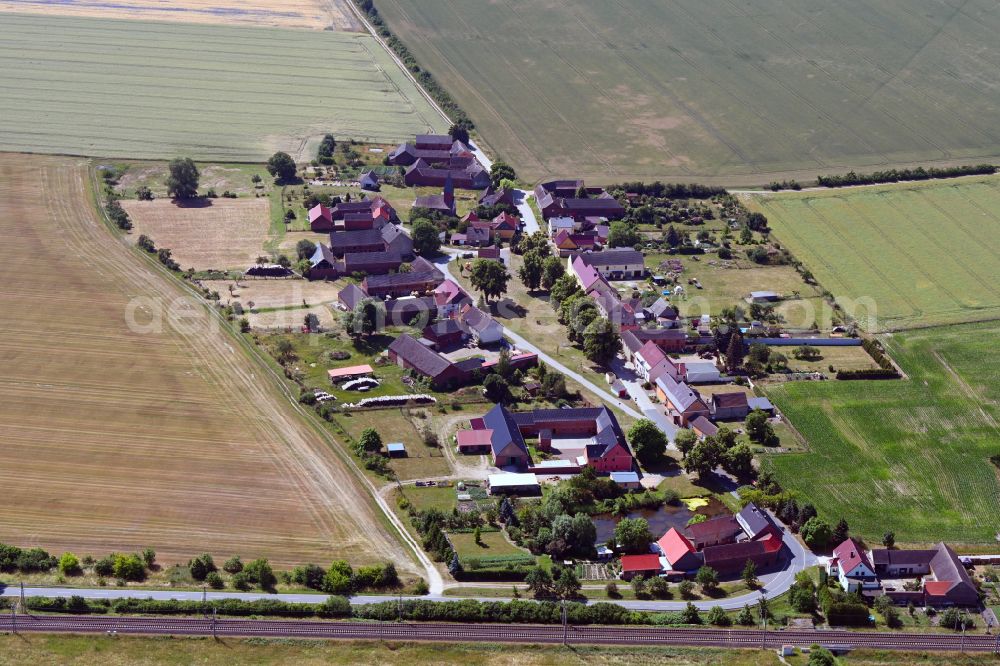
{"x": 649, "y": 409}
{"x": 524, "y": 208}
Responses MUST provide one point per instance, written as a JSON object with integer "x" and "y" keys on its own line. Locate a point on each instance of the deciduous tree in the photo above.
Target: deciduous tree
{"x": 282, "y": 167}
{"x": 182, "y": 183}
{"x": 648, "y": 442}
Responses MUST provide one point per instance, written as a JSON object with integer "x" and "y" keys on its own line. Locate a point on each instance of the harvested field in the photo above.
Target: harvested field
{"x": 227, "y": 233}
{"x": 160, "y": 432}
{"x": 899, "y": 256}
{"x": 148, "y": 90}
{"x": 732, "y": 92}
{"x": 910, "y": 456}
{"x": 316, "y": 14}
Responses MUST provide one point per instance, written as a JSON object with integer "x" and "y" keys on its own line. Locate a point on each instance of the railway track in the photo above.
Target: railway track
{"x": 496, "y": 633}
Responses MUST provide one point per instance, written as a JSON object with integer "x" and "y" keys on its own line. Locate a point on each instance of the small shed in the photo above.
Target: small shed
{"x": 369, "y": 181}
{"x": 628, "y": 480}
{"x": 395, "y": 450}
{"x": 513, "y": 484}
{"x": 352, "y": 372}
{"x": 763, "y": 296}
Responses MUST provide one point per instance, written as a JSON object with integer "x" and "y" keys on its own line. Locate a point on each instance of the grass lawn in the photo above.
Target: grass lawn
{"x": 431, "y": 497}
{"x": 493, "y": 544}
{"x": 399, "y": 425}
{"x": 841, "y": 358}
{"x": 909, "y": 254}
{"x": 729, "y": 283}
{"x": 911, "y": 456}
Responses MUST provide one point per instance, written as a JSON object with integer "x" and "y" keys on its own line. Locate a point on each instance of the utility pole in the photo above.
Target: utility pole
{"x": 565, "y": 625}
{"x": 214, "y": 634}
{"x": 13, "y": 618}
{"x": 22, "y": 596}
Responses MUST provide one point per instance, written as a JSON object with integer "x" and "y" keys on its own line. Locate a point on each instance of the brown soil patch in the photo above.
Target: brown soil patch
{"x": 316, "y": 14}
{"x": 226, "y": 233}
{"x": 115, "y": 438}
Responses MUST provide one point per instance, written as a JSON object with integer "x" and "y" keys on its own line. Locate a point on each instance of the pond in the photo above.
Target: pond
{"x": 660, "y": 520}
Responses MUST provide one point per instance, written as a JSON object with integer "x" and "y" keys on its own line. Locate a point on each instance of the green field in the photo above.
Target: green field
{"x": 910, "y": 456}
{"x": 145, "y": 90}
{"x": 715, "y": 89}
{"x": 911, "y": 254}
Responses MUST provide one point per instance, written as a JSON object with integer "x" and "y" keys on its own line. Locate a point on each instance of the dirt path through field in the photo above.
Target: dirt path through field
{"x": 114, "y": 439}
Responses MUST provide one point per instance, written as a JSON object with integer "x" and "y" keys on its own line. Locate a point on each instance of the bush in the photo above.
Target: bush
{"x": 201, "y": 566}
{"x": 259, "y": 573}
{"x": 69, "y": 564}
{"x": 233, "y": 565}
{"x": 129, "y": 567}
{"x": 871, "y": 373}
{"x": 104, "y": 566}
{"x": 214, "y": 580}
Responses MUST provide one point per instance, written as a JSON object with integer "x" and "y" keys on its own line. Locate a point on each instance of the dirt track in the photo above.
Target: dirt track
{"x": 112, "y": 439}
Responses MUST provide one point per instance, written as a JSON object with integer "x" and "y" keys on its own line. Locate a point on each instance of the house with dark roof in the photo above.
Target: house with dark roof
{"x": 361, "y": 240}
{"x": 945, "y": 582}
{"x": 484, "y": 329}
{"x": 506, "y": 442}
{"x": 371, "y": 263}
{"x": 684, "y": 402}
{"x": 670, "y": 340}
{"x": 432, "y": 148}
{"x": 607, "y": 451}
{"x": 323, "y": 265}
{"x": 732, "y": 406}
{"x": 493, "y": 197}
{"x": 714, "y": 531}
{"x": 663, "y": 312}
{"x": 616, "y": 264}
{"x": 441, "y": 203}
{"x": 445, "y": 333}
{"x": 731, "y": 558}
{"x": 407, "y": 352}
{"x": 756, "y": 522}
{"x": 369, "y": 181}
{"x": 560, "y": 198}
{"x": 401, "y": 284}
{"x": 703, "y": 427}
{"x": 465, "y": 172}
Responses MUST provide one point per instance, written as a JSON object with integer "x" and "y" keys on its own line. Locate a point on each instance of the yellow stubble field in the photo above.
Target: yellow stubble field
{"x": 116, "y": 436}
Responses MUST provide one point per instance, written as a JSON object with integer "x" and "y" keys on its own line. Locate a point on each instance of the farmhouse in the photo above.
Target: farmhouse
{"x": 678, "y": 551}
{"x": 703, "y": 427}
{"x": 407, "y": 352}
{"x": 364, "y": 214}
{"x": 702, "y": 372}
{"x": 680, "y": 398}
{"x": 387, "y": 238}
{"x": 714, "y": 531}
{"x": 492, "y": 197}
{"x": 371, "y": 263}
{"x": 559, "y": 198}
{"x": 369, "y": 181}
{"x": 617, "y": 264}
{"x": 400, "y": 284}
{"x": 945, "y": 582}
{"x": 449, "y": 298}
{"x": 484, "y": 329}
{"x": 731, "y": 558}
{"x": 432, "y": 148}
{"x": 465, "y": 172}
{"x": 852, "y": 568}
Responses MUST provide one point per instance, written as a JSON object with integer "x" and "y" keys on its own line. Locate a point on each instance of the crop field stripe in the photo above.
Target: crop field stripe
{"x": 735, "y": 92}
{"x": 234, "y": 93}
{"x": 926, "y": 251}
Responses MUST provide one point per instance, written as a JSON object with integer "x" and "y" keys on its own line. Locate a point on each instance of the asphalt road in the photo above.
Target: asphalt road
{"x": 492, "y": 633}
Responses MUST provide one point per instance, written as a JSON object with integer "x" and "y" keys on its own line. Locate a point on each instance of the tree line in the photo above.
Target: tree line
{"x": 896, "y": 175}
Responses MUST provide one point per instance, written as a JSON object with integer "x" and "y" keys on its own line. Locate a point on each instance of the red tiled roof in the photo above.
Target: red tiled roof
{"x": 851, "y": 554}
{"x": 938, "y": 588}
{"x": 474, "y": 438}
{"x": 674, "y": 545}
{"x": 649, "y": 562}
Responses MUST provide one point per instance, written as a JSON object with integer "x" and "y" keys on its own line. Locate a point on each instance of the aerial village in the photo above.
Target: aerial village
{"x": 691, "y": 413}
